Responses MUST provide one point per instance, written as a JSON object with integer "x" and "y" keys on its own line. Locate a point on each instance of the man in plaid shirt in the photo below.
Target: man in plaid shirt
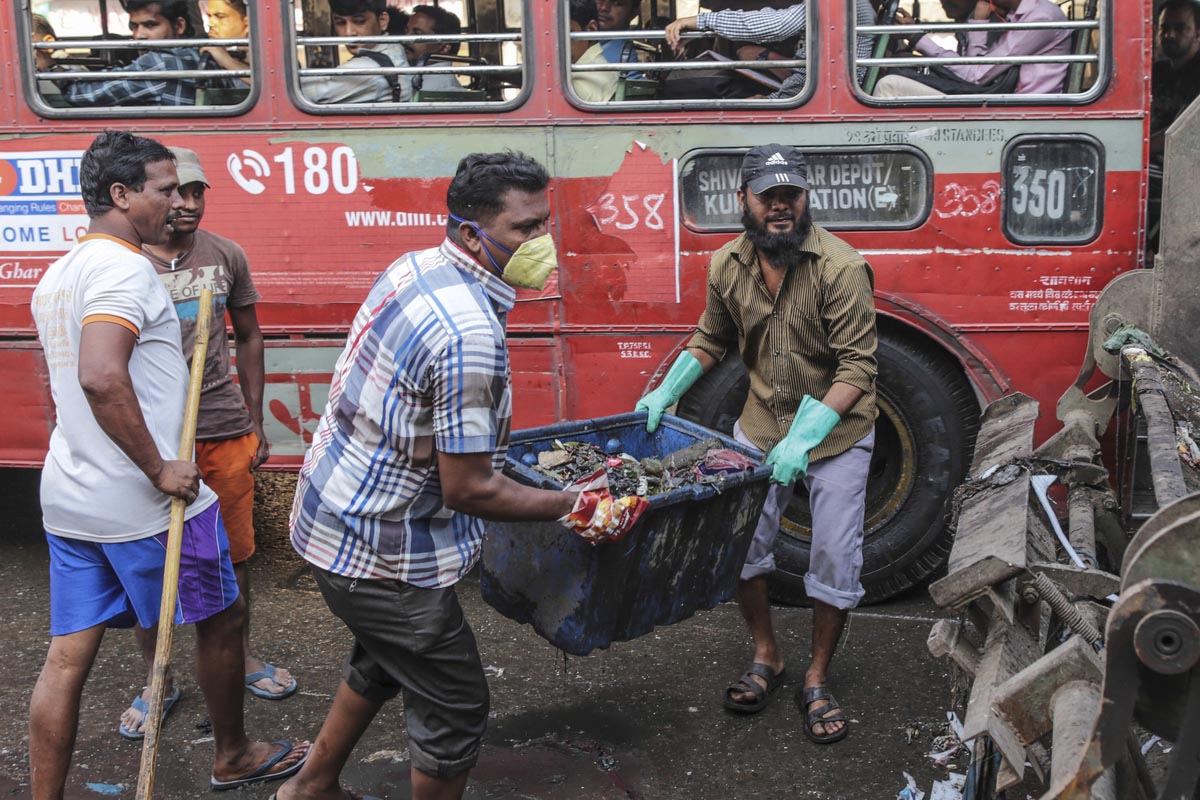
{"x": 148, "y": 20}
{"x": 404, "y": 466}
{"x": 767, "y": 25}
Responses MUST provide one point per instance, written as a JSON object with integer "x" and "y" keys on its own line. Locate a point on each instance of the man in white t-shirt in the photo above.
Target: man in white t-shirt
{"x": 111, "y": 342}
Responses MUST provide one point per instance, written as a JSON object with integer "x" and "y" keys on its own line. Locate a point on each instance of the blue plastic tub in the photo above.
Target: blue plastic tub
{"x": 684, "y": 555}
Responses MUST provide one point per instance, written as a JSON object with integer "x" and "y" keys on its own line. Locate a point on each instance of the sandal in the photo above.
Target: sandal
{"x": 746, "y": 683}
{"x": 814, "y": 716}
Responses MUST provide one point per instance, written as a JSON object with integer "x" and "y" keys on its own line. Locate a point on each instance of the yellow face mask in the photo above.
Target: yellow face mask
{"x": 531, "y": 264}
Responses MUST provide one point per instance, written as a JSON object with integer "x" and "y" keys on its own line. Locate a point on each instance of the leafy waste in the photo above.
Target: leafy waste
{"x": 706, "y": 462}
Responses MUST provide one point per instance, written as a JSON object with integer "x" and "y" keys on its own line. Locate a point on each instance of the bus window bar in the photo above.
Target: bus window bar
{"x": 983, "y": 27}
{"x": 136, "y": 44}
{"x": 953, "y": 61}
{"x": 323, "y": 41}
{"x": 466, "y": 69}
{"x": 655, "y": 66}
{"x": 608, "y": 36}
{"x": 154, "y": 75}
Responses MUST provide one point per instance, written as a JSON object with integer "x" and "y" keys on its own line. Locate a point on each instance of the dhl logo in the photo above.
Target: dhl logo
{"x": 42, "y": 175}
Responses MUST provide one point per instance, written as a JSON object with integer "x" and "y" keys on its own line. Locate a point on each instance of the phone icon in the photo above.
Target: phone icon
{"x": 252, "y": 161}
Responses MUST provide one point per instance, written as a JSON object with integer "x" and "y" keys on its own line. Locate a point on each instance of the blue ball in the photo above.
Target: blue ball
{"x": 612, "y": 446}
{"x": 529, "y": 459}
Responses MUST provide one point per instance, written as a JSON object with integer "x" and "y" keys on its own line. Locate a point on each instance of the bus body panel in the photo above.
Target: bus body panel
{"x": 323, "y": 204}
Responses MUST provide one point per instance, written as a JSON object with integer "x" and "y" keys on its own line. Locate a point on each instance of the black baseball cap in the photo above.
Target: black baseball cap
{"x": 771, "y": 165}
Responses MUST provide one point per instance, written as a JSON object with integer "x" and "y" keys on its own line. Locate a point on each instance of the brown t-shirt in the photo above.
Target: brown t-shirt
{"x": 216, "y": 263}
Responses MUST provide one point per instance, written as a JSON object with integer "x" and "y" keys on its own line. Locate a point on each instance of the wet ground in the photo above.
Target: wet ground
{"x": 642, "y": 719}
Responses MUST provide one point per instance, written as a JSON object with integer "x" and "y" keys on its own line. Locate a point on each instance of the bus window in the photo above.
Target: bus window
{"x": 1053, "y": 188}
{"x": 959, "y": 51}
{"x": 884, "y": 188}
{"x": 451, "y": 56}
{"x": 627, "y": 54}
{"x": 152, "y": 59}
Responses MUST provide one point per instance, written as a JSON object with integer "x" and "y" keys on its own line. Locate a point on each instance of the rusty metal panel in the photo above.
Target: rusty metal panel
{"x": 990, "y": 542}
{"x": 1177, "y": 294}
{"x": 1007, "y": 650}
{"x": 1005, "y": 433}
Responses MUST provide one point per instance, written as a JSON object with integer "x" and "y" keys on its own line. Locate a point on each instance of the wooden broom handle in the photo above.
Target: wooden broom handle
{"x": 170, "y": 589}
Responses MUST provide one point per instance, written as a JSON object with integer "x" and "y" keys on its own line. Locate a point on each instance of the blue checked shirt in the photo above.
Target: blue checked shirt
{"x": 120, "y": 92}
{"x": 766, "y": 25}
{"x": 425, "y": 370}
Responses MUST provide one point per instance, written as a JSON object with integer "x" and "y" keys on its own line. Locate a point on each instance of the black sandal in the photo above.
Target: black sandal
{"x": 805, "y": 698}
{"x": 746, "y": 683}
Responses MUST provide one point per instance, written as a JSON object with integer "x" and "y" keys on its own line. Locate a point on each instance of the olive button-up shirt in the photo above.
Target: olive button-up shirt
{"x": 818, "y": 330}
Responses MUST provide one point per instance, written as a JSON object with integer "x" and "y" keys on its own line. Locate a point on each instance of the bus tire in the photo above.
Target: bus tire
{"x": 928, "y": 418}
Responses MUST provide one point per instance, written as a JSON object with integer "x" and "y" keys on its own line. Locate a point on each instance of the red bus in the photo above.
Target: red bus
{"x": 991, "y": 220}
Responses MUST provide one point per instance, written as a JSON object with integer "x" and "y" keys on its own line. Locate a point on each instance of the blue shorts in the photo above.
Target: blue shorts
{"x": 120, "y": 583}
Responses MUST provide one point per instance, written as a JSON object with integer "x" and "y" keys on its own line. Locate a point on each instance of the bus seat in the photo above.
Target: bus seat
{"x": 451, "y": 96}
{"x": 221, "y": 96}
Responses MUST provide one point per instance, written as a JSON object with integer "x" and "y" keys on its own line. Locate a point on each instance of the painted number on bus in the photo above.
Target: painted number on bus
{"x": 1052, "y": 190}
{"x": 310, "y": 170}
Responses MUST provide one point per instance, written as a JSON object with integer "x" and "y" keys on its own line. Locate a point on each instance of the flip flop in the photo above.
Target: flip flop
{"x": 263, "y": 773}
{"x": 268, "y": 671}
{"x": 746, "y": 683}
{"x": 805, "y": 698}
{"x": 144, "y": 707}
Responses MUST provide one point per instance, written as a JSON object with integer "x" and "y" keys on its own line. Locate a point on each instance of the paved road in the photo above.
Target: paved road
{"x": 640, "y": 720}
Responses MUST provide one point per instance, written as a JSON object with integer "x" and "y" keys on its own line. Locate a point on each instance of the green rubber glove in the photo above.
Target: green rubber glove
{"x": 813, "y": 422}
{"x": 683, "y": 373}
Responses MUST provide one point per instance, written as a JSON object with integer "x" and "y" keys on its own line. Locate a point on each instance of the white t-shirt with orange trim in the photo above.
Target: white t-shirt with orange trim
{"x": 90, "y": 489}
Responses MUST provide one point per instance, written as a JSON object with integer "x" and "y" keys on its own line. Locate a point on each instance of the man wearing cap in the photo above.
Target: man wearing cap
{"x": 230, "y": 442}
{"x": 796, "y": 302}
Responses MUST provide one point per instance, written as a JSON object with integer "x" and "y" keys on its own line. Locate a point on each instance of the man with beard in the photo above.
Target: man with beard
{"x": 797, "y": 304}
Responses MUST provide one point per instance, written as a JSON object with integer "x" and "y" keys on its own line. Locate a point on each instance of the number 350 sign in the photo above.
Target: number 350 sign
{"x": 1053, "y": 190}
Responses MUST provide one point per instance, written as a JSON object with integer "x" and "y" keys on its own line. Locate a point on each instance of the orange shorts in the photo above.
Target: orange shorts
{"x": 225, "y": 465}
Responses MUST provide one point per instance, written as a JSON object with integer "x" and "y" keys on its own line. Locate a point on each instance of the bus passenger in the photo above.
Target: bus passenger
{"x": 432, "y": 21}
{"x": 227, "y": 19}
{"x": 361, "y": 18}
{"x": 1175, "y": 81}
{"x": 767, "y": 25}
{"x": 592, "y": 87}
{"x": 1174, "y": 84}
{"x": 618, "y": 15}
{"x": 43, "y": 31}
{"x": 149, "y": 20}
{"x": 44, "y": 60}
{"x": 1033, "y": 78}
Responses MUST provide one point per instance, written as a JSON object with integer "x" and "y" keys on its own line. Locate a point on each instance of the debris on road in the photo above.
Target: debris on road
{"x": 705, "y": 462}
{"x": 910, "y": 792}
